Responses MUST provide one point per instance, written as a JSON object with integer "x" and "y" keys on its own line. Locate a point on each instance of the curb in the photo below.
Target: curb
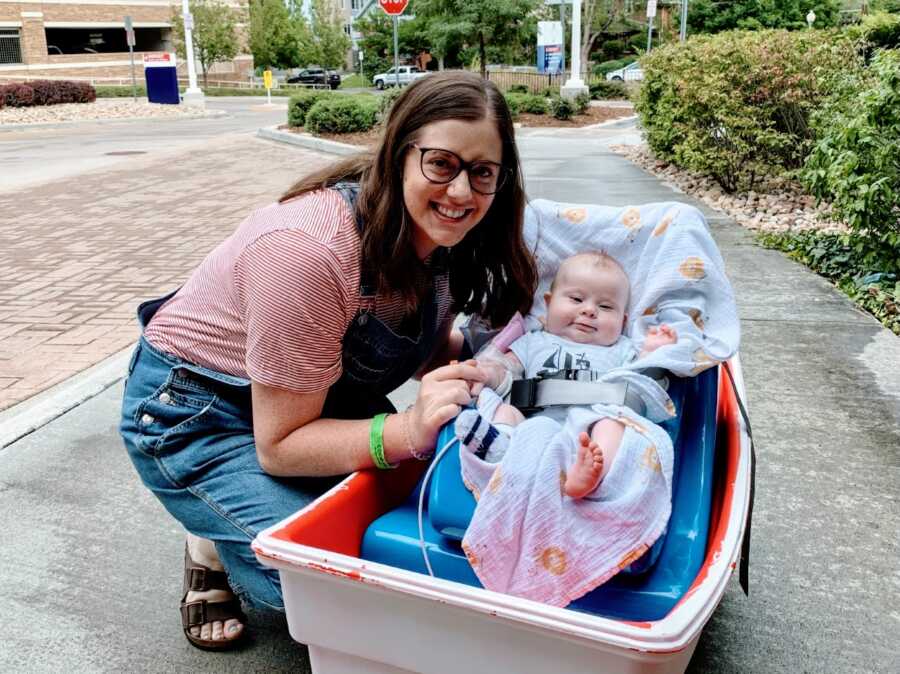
{"x": 612, "y": 122}
{"x": 38, "y": 411}
{"x": 210, "y": 114}
{"x": 307, "y": 141}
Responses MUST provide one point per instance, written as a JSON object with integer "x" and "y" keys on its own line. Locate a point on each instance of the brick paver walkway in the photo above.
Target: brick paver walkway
{"x": 78, "y": 255}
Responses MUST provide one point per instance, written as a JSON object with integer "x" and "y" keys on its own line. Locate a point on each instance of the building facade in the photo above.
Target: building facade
{"x": 86, "y": 39}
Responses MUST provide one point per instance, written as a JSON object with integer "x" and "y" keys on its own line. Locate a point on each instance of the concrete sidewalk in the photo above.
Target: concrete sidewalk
{"x": 90, "y": 568}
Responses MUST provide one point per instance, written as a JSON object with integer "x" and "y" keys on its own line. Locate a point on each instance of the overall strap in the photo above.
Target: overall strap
{"x": 350, "y": 191}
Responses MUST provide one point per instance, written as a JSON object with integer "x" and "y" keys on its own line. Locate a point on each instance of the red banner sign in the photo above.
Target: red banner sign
{"x": 393, "y": 7}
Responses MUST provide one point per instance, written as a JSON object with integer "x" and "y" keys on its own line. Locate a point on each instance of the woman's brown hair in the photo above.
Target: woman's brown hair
{"x": 492, "y": 272}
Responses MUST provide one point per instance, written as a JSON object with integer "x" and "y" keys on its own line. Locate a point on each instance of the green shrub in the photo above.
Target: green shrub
{"x": 613, "y": 48}
{"x": 876, "y": 31}
{"x": 601, "y": 89}
{"x": 341, "y": 114}
{"x": 561, "y": 108}
{"x": 386, "y": 101}
{"x": 582, "y": 102}
{"x": 301, "y": 103}
{"x": 514, "y": 102}
{"x": 736, "y": 106}
{"x": 518, "y": 89}
{"x": 534, "y": 104}
{"x": 855, "y": 164}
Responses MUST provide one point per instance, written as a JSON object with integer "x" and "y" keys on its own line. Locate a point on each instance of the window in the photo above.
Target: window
{"x": 10, "y": 48}
{"x": 103, "y": 40}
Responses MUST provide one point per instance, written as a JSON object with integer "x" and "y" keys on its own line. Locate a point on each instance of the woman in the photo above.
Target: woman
{"x": 266, "y": 373}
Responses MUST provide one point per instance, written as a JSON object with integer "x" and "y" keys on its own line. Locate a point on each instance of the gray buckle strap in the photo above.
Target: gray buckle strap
{"x": 534, "y": 394}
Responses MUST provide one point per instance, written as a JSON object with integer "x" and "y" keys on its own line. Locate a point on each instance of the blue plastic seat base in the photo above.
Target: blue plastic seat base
{"x": 650, "y": 588}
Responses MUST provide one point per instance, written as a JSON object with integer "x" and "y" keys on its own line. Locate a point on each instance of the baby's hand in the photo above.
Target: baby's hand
{"x": 659, "y": 336}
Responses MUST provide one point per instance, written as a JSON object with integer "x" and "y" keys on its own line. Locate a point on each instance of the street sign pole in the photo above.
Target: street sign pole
{"x": 651, "y": 13}
{"x": 396, "y": 53}
{"x": 394, "y": 8}
{"x": 129, "y": 38}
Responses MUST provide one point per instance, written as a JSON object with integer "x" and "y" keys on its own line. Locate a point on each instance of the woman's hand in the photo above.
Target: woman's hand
{"x": 442, "y": 395}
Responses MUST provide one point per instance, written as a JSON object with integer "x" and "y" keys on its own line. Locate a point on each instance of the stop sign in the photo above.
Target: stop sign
{"x": 393, "y": 7}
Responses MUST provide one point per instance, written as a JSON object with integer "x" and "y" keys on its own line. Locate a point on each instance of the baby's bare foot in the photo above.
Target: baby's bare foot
{"x": 584, "y": 475}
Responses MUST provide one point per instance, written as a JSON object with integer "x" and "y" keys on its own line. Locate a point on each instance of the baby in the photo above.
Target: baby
{"x": 583, "y": 330}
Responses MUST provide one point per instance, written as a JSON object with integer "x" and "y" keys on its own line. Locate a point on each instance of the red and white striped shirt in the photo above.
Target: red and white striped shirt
{"x": 272, "y": 302}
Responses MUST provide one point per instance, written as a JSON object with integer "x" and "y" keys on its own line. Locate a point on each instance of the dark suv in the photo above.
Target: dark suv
{"x": 316, "y": 75}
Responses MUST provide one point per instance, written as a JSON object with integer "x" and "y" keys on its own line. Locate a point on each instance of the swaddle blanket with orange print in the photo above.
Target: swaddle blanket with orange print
{"x": 529, "y": 539}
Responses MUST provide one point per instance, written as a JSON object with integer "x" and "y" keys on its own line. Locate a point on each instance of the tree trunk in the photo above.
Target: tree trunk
{"x": 482, "y": 53}
{"x": 440, "y": 62}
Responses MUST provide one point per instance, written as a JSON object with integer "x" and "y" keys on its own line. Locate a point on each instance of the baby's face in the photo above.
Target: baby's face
{"x": 587, "y": 304}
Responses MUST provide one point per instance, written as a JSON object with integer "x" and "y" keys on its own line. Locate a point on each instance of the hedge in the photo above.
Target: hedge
{"x": 341, "y": 114}
{"x": 299, "y": 104}
{"x": 46, "y": 92}
{"x": 855, "y": 165}
{"x": 736, "y": 106}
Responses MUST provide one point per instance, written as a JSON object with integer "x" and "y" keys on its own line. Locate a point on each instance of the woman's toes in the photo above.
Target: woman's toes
{"x": 195, "y": 631}
{"x": 233, "y": 629}
{"x": 218, "y": 633}
{"x": 206, "y": 631}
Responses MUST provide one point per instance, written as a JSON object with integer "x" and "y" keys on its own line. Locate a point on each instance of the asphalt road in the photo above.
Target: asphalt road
{"x": 43, "y": 154}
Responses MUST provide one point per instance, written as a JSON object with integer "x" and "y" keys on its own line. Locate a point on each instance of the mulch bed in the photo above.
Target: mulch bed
{"x": 593, "y": 115}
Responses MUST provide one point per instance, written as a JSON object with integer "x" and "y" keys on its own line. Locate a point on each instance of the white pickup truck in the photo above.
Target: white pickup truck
{"x": 406, "y": 75}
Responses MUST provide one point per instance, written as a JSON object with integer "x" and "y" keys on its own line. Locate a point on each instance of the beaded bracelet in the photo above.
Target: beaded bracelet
{"x": 376, "y": 443}
{"x": 410, "y": 445}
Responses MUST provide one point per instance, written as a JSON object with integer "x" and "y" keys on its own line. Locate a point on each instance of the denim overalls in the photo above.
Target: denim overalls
{"x": 189, "y": 432}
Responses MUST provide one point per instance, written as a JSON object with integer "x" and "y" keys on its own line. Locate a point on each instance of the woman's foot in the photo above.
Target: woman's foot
{"x": 214, "y": 634}
{"x": 584, "y": 475}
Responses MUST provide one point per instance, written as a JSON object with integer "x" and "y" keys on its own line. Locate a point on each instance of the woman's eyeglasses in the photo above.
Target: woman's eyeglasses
{"x": 442, "y": 166}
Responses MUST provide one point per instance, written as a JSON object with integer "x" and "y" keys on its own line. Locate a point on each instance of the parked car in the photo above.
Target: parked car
{"x": 316, "y": 75}
{"x": 630, "y": 73}
{"x": 406, "y": 75}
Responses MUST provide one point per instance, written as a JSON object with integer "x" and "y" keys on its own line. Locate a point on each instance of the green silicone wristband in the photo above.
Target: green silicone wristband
{"x": 376, "y": 442}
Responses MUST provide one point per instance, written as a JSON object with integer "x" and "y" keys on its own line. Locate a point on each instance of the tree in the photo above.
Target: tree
{"x": 377, "y": 42}
{"x": 329, "y": 39}
{"x": 474, "y": 24}
{"x": 598, "y": 16}
{"x": 274, "y": 36}
{"x": 713, "y": 16}
{"x": 214, "y": 34}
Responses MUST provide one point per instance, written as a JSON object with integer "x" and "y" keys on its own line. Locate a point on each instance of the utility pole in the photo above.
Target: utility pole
{"x": 682, "y": 36}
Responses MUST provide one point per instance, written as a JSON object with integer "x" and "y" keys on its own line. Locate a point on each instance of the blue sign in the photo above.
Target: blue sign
{"x": 550, "y": 59}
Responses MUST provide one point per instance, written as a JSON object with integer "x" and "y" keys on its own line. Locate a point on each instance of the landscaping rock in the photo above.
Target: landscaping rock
{"x": 779, "y": 205}
{"x": 104, "y": 108}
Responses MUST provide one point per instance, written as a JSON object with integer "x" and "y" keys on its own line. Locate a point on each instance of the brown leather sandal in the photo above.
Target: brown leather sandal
{"x": 199, "y": 578}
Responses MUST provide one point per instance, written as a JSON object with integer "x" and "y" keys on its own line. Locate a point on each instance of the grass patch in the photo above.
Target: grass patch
{"x": 834, "y": 256}
{"x": 124, "y": 91}
{"x": 355, "y": 81}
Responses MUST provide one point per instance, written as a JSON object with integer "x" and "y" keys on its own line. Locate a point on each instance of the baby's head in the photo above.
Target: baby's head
{"x": 588, "y": 299}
